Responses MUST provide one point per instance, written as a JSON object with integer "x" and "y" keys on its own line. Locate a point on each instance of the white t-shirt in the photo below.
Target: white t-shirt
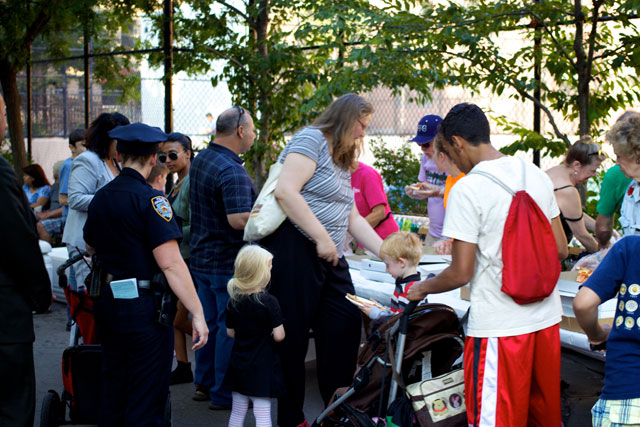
{"x": 476, "y": 213}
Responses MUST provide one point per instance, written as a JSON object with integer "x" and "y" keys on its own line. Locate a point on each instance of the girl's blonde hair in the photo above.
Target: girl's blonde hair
{"x": 252, "y": 272}
{"x": 338, "y": 121}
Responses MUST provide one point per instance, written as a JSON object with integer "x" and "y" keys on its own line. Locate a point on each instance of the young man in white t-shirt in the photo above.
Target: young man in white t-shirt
{"x": 512, "y": 351}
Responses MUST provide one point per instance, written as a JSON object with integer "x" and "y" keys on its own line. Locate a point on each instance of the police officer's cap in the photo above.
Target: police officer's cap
{"x": 137, "y": 139}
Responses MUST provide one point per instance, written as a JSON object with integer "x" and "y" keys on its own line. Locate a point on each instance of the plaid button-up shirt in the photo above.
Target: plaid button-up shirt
{"x": 220, "y": 186}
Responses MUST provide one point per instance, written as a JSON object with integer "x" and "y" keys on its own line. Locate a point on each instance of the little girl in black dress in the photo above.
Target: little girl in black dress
{"x": 254, "y": 320}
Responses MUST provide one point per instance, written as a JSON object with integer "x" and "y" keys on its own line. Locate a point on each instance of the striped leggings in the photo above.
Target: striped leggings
{"x": 240, "y": 405}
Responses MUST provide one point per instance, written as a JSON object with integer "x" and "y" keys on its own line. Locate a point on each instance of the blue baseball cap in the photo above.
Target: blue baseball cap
{"x": 427, "y": 128}
{"x": 138, "y": 139}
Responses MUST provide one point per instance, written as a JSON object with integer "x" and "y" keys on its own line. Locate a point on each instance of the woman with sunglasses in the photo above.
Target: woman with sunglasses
{"x": 581, "y": 163}
{"x": 310, "y": 276}
{"x": 177, "y": 154}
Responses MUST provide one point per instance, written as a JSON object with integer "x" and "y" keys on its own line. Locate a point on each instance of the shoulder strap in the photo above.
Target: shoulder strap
{"x": 563, "y": 187}
{"x": 494, "y": 179}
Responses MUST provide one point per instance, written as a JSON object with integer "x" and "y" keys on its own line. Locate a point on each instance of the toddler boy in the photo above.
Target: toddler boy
{"x": 400, "y": 252}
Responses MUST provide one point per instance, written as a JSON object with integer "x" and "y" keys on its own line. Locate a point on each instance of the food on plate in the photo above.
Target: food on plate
{"x": 359, "y": 301}
{"x": 583, "y": 274}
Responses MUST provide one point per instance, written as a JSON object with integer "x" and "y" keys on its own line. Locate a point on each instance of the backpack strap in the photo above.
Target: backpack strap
{"x": 494, "y": 179}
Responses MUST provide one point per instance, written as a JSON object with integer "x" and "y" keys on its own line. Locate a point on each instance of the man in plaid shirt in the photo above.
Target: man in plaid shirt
{"x": 222, "y": 195}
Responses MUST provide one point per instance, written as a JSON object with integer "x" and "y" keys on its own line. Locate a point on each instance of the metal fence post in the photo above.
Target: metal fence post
{"x": 168, "y": 65}
{"x": 87, "y": 77}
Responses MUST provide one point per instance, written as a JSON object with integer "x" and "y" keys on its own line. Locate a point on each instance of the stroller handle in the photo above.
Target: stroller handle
{"x": 404, "y": 317}
{"x": 69, "y": 262}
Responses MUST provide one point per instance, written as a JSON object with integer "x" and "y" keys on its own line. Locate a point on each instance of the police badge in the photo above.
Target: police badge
{"x": 162, "y": 207}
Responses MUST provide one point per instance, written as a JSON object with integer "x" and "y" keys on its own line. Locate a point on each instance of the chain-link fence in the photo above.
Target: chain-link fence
{"x": 58, "y": 106}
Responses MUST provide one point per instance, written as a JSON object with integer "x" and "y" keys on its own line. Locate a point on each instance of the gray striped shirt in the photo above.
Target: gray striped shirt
{"x": 328, "y": 192}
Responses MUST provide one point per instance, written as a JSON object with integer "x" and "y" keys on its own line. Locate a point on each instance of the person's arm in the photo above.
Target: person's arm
{"x": 585, "y": 306}
{"x": 63, "y": 199}
{"x": 297, "y": 170}
{"x": 604, "y": 230}
{"x": 42, "y": 201}
{"x": 23, "y": 263}
{"x": 49, "y": 214}
{"x": 83, "y": 183}
{"x": 278, "y": 333}
{"x": 459, "y": 273}
{"x": 236, "y": 188}
{"x": 376, "y": 215}
{"x": 569, "y": 203}
{"x": 560, "y": 238}
{"x": 589, "y": 222}
{"x": 362, "y": 232}
{"x": 168, "y": 257}
{"x": 237, "y": 221}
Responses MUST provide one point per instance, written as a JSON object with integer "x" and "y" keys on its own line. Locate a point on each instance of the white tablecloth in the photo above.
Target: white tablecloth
{"x": 382, "y": 292}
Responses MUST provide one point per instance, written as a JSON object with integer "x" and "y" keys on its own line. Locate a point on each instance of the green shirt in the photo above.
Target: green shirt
{"x": 612, "y": 190}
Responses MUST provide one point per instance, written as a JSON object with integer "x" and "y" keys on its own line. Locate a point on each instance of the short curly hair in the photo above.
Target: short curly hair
{"x": 402, "y": 244}
{"x": 625, "y": 136}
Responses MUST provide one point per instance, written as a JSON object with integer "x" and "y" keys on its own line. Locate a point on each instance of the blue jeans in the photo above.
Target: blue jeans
{"x": 212, "y": 360}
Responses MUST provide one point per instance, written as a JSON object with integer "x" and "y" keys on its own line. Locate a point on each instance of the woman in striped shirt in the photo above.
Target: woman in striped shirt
{"x": 310, "y": 275}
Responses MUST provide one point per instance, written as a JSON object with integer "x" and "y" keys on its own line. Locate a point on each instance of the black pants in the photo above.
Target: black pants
{"x": 311, "y": 293}
{"x": 17, "y": 385}
{"x": 137, "y": 355}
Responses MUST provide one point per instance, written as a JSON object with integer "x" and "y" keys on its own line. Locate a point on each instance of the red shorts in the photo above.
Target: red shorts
{"x": 513, "y": 381}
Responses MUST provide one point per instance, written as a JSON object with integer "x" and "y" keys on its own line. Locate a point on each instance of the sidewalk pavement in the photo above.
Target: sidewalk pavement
{"x": 583, "y": 377}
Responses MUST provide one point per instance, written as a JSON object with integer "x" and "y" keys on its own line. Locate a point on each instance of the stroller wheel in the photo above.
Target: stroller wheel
{"x": 50, "y": 411}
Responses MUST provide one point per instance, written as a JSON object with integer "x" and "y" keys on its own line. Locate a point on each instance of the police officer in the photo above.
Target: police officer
{"x": 133, "y": 233}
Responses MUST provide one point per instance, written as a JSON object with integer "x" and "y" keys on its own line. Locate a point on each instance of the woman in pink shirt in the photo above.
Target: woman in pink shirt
{"x": 371, "y": 200}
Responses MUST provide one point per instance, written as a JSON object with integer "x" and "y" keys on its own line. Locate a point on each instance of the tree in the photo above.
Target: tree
{"x": 587, "y": 53}
{"x": 287, "y": 59}
{"x": 56, "y": 25}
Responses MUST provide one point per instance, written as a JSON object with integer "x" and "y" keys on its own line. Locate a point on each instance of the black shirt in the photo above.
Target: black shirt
{"x": 127, "y": 220}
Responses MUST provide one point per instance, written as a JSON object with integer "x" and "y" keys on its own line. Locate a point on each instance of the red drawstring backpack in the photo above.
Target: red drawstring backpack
{"x": 530, "y": 264}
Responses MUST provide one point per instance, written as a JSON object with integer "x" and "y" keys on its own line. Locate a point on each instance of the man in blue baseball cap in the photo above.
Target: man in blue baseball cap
{"x": 431, "y": 179}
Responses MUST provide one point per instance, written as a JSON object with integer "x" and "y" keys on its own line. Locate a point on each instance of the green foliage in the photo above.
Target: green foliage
{"x": 398, "y": 169}
{"x": 288, "y": 71}
{"x": 587, "y": 70}
{"x": 5, "y": 151}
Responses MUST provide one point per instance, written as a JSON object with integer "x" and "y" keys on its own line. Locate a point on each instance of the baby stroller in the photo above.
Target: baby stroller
{"x": 81, "y": 362}
{"x": 408, "y": 348}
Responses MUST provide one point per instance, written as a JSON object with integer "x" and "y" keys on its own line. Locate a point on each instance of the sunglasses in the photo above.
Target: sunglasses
{"x": 162, "y": 157}
{"x": 240, "y": 113}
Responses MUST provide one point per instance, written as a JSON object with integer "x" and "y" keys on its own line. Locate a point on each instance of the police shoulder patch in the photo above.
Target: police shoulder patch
{"x": 162, "y": 207}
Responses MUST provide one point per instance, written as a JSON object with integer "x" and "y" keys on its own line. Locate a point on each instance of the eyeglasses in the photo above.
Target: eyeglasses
{"x": 426, "y": 144}
{"x": 364, "y": 126}
{"x": 173, "y": 155}
{"x": 240, "y": 113}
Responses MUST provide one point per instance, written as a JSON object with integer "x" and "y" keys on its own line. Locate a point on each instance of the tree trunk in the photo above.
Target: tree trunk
{"x": 583, "y": 70}
{"x": 9, "y": 82}
{"x": 264, "y": 106}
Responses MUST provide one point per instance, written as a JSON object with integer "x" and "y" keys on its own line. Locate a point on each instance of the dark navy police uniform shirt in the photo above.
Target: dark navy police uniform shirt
{"x": 127, "y": 219}
{"x": 220, "y": 186}
{"x": 619, "y": 273}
